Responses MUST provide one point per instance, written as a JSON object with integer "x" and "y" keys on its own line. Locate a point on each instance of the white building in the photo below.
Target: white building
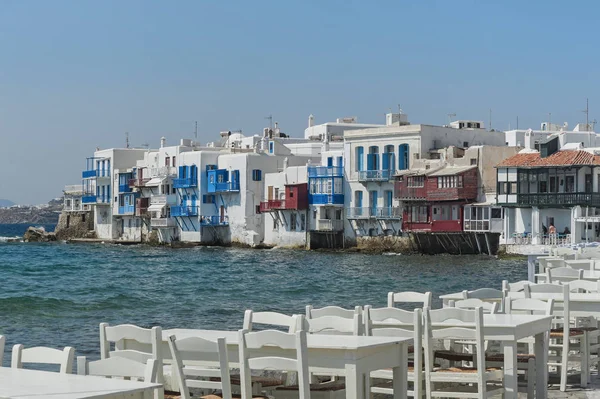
{"x": 72, "y": 199}
{"x": 582, "y": 134}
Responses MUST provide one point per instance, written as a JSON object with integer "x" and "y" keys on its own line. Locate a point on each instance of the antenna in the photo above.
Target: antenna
{"x": 126, "y": 139}
{"x": 586, "y": 111}
{"x": 490, "y": 119}
{"x": 196, "y": 130}
{"x": 399, "y": 109}
{"x": 593, "y": 122}
{"x": 270, "y": 118}
{"x": 450, "y": 116}
{"x": 517, "y": 122}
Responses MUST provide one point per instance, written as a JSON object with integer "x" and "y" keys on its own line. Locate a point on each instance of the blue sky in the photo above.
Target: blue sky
{"x": 76, "y": 75}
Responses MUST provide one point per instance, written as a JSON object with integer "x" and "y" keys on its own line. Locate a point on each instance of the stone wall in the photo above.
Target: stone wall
{"x": 75, "y": 225}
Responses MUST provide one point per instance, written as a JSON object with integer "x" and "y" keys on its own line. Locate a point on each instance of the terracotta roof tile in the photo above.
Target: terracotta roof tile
{"x": 559, "y": 158}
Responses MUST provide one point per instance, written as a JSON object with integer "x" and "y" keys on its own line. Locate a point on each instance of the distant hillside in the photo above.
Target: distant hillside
{"x": 5, "y": 203}
{"x": 32, "y": 214}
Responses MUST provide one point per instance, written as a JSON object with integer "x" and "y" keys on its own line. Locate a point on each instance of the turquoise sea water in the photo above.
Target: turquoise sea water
{"x": 56, "y": 294}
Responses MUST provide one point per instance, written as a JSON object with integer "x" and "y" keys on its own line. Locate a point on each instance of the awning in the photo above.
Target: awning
{"x": 156, "y": 207}
{"x": 154, "y": 182}
{"x": 452, "y": 170}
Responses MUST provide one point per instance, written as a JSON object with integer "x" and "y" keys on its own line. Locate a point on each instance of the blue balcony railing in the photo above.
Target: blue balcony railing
{"x": 214, "y": 220}
{"x": 325, "y": 171}
{"x": 127, "y": 210}
{"x": 375, "y": 175}
{"x": 124, "y": 188}
{"x": 326, "y": 199}
{"x": 88, "y": 199}
{"x": 181, "y": 210}
{"x": 184, "y": 182}
{"x": 226, "y": 186}
{"x": 86, "y": 174}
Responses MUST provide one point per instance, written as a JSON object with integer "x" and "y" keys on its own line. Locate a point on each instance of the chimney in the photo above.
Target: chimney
{"x": 311, "y": 120}
{"x": 529, "y": 140}
{"x": 163, "y": 142}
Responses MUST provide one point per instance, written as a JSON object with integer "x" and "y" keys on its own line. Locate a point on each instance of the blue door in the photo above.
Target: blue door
{"x": 403, "y": 156}
{"x": 193, "y": 202}
{"x": 388, "y": 202}
{"x": 373, "y": 202}
{"x": 358, "y": 202}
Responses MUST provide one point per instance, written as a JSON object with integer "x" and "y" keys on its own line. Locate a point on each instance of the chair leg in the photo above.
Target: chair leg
{"x": 585, "y": 359}
{"x": 531, "y": 378}
{"x": 564, "y": 366}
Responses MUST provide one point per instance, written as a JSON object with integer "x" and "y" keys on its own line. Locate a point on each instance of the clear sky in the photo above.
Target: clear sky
{"x": 76, "y": 75}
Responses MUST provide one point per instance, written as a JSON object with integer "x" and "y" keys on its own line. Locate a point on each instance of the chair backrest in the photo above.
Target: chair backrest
{"x": 474, "y": 303}
{"x": 587, "y": 264}
{"x": 378, "y": 320}
{"x": 333, "y": 320}
{"x": 454, "y": 324}
{"x": 563, "y": 275}
{"x": 120, "y": 367}
{"x": 529, "y": 306}
{"x": 43, "y": 355}
{"x": 194, "y": 348}
{"x": 269, "y": 318}
{"x": 584, "y": 286}
{"x": 423, "y": 299}
{"x": 116, "y": 335}
{"x": 483, "y": 293}
{"x": 294, "y": 357}
{"x": 515, "y": 287}
{"x": 531, "y": 290}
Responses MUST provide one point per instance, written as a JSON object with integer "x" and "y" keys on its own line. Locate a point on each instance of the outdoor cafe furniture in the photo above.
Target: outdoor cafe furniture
{"x": 34, "y": 384}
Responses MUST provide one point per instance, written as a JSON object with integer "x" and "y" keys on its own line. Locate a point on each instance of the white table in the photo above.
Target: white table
{"x": 580, "y": 304}
{"x": 587, "y": 275}
{"x": 352, "y": 356}
{"x": 508, "y": 329}
{"x": 30, "y": 384}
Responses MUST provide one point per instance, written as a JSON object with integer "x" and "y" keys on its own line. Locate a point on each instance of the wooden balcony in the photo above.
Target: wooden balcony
{"x": 558, "y": 199}
{"x": 272, "y": 205}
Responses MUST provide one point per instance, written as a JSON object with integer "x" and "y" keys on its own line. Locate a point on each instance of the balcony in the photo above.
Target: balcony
{"x": 184, "y": 182}
{"x": 326, "y": 199}
{"x": 162, "y": 222}
{"x": 558, "y": 199}
{"x": 403, "y": 192}
{"x": 374, "y": 213}
{"x": 87, "y": 174}
{"x": 73, "y": 189}
{"x": 272, "y": 205}
{"x": 223, "y": 187}
{"x": 127, "y": 210}
{"x": 375, "y": 175}
{"x": 325, "y": 171}
{"x": 138, "y": 182}
{"x": 164, "y": 199}
{"x": 88, "y": 199}
{"x": 124, "y": 188}
{"x": 214, "y": 220}
{"x": 180, "y": 211}
{"x": 329, "y": 225}
{"x": 163, "y": 171}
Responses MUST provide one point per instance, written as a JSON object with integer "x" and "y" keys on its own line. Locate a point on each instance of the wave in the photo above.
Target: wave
{"x": 36, "y": 304}
{"x": 8, "y": 238}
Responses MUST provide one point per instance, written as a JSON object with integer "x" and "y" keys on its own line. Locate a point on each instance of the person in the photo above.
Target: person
{"x": 567, "y": 231}
{"x": 544, "y": 229}
{"x": 552, "y": 229}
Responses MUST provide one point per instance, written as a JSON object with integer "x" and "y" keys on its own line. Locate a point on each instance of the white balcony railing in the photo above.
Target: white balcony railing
{"x": 73, "y": 189}
{"x": 164, "y": 199}
{"x": 163, "y": 171}
{"x": 162, "y": 222}
{"x": 330, "y": 225}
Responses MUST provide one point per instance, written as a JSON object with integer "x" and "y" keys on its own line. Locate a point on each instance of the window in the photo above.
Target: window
{"x": 416, "y": 181}
{"x": 271, "y": 147}
{"x": 496, "y": 213}
{"x": 570, "y": 184}
{"x": 314, "y": 214}
{"x": 293, "y": 221}
{"x": 418, "y": 214}
{"x": 167, "y": 161}
{"x": 208, "y": 199}
{"x": 460, "y": 181}
{"x": 359, "y": 163}
{"x": 68, "y": 203}
{"x": 257, "y": 175}
{"x": 275, "y": 224}
{"x": 465, "y": 144}
{"x": 291, "y": 193}
{"x": 473, "y": 161}
{"x": 302, "y": 222}
{"x": 257, "y": 210}
{"x": 173, "y": 161}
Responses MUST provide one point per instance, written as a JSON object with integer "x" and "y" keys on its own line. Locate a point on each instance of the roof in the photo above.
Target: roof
{"x": 452, "y": 170}
{"x": 559, "y": 158}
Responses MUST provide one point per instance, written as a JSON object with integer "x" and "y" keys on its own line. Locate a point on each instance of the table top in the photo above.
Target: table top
{"x": 22, "y": 383}
{"x": 508, "y": 320}
{"x": 573, "y": 296}
{"x": 313, "y": 341}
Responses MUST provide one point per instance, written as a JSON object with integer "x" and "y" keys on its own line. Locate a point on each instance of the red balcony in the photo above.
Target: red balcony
{"x": 141, "y": 206}
{"x": 137, "y": 182}
{"x": 272, "y": 205}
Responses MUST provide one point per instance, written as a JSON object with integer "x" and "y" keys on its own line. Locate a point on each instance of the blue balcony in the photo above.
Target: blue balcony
{"x": 184, "y": 182}
{"x": 325, "y": 171}
{"x": 87, "y": 174}
{"x": 326, "y": 199}
{"x": 227, "y": 186}
{"x": 214, "y": 220}
{"x": 88, "y": 199}
{"x": 127, "y": 210}
{"x": 375, "y": 175}
{"x": 124, "y": 188}
{"x": 181, "y": 210}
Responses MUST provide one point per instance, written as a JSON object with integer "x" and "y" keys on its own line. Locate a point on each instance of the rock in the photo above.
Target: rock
{"x": 38, "y": 234}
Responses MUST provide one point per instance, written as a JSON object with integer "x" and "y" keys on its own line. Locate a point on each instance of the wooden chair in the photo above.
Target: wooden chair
{"x": 560, "y": 275}
{"x": 42, "y": 355}
{"x": 409, "y": 297}
{"x": 333, "y": 320}
{"x": 394, "y": 322}
{"x": 195, "y": 348}
{"x": 272, "y": 319}
{"x": 252, "y": 359}
{"x": 458, "y": 381}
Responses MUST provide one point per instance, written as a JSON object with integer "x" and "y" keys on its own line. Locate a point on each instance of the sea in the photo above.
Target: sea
{"x": 56, "y": 294}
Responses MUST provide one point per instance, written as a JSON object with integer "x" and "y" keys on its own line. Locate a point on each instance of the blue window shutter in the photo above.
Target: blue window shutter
{"x": 359, "y": 158}
{"x": 340, "y": 161}
{"x": 330, "y": 161}
{"x": 181, "y": 171}
{"x": 386, "y": 161}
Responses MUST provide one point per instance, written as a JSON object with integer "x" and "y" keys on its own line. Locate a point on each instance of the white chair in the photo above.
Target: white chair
{"x": 519, "y": 286}
{"x": 2, "y": 342}
{"x": 270, "y": 319}
{"x": 584, "y": 286}
{"x": 461, "y": 381}
{"x": 474, "y": 303}
{"x": 393, "y": 322}
{"x": 195, "y": 348}
{"x": 251, "y": 358}
{"x": 561, "y": 275}
{"x": 333, "y": 320}
{"x": 121, "y": 367}
{"x": 486, "y": 295}
{"x": 410, "y": 297}
{"x": 42, "y": 355}
{"x": 538, "y": 291}
{"x": 589, "y": 324}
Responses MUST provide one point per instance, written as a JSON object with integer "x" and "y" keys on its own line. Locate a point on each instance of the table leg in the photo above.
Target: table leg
{"x": 511, "y": 387}
{"x": 541, "y": 365}
{"x": 401, "y": 374}
{"x": 355, "y": 386}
